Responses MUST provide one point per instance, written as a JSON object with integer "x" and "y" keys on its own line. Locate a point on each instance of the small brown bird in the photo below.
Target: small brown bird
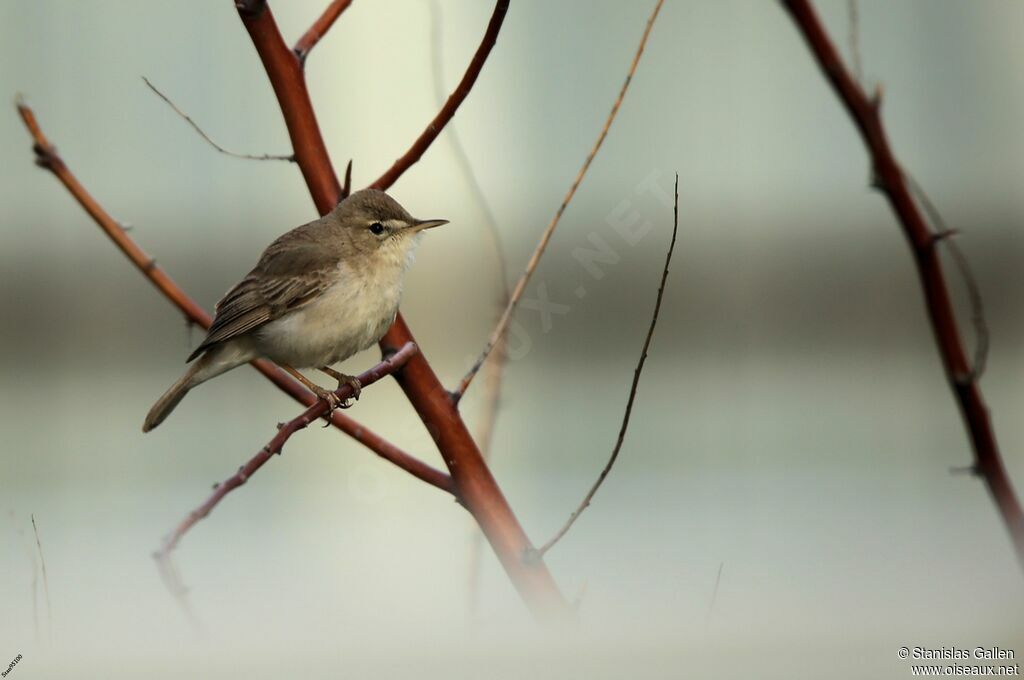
{"x": 318, "y": 295}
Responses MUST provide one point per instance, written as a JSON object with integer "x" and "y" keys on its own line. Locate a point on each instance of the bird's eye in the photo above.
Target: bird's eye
{"x": 377, "y": 228}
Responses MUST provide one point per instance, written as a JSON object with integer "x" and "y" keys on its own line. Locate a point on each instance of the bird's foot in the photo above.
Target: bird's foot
{"x": 344, "y": 379}
{"x": 332, "y": 399}
{"x": 353, "y": 382}
{"x": 328, "y": 396}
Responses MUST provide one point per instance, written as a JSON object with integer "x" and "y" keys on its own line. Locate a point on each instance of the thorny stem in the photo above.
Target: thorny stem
{"x": 310, "y": 415}
{"x": 890, "y": 179}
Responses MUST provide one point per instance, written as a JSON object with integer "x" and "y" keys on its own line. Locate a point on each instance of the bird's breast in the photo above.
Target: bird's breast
{"x": 348, "y": 317}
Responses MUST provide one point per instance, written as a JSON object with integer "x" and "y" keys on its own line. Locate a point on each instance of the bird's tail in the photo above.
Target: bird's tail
{"x": 210, "y": 365}
{"x": 171, "y": 398}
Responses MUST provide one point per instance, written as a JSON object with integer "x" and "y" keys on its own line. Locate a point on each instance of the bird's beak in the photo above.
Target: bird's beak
{"x": 420, "y": 225}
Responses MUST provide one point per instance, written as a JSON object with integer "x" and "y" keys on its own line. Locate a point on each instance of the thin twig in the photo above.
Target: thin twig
{"x": 46, "y": 581}
{"x": 288, "y": 80}
{"x": 890, "y": 179}
{"x": 47, "y": 157}
{"x": 494, "y": 373}
{"x": 577, "y": 602}
{"x": 461, "y": 157}
{"x": 520, "y": 286}
{"x": 714, "y": 598}
{"x": 34, "y": 563}
{"x": 206, "y": 137}
{"x": 943, "y": 233}
{"x": 35, "y": 595}
{"x": 319, "y": 29}
{"x": 171, "y": 577}
{"x": 447, "y": 111}
{"x": 310, "y": 415}
{"x": 632, "y": 388}
{"x": 492, "y": 389}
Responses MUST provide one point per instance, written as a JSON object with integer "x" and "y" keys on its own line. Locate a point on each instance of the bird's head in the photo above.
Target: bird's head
{"x": 376, "y": 224}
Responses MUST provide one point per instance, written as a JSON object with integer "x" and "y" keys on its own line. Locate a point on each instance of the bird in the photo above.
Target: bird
{"x": 319, "y": 294}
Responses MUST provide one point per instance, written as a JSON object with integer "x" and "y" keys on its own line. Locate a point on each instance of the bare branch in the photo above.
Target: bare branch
{"x": 889, "y": 178}
{"x": 164, "y": 556}
{"x": 944, "y": 234}
{"x": 47, "y": 157}
{"x": 46, "y": 580}
{"x": 475, "y": 486}
{"x": 319, "y": 29}
{"x": 171, "y": 577}
{"x": 447, "y": 111}
{"x": 632, "y": 388}
{"x": 206, "y": 137}
{"x": 462, "y": 158}
{"x": 714, "y": 598}
{"x": 286, "y": 77}
{"x": 310, "y": 415}
{"x": 520, "y": 286}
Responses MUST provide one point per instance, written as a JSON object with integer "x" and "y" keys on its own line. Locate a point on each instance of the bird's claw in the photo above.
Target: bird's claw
{"x": 332, "y": 399}
{"x": 357, "y": 387}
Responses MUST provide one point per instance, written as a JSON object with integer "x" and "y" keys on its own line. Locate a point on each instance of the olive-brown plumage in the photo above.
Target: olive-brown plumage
{"x": 319, "y": 294}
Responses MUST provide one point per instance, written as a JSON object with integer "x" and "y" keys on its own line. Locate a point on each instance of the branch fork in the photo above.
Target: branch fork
{"x": 469, "y": 479}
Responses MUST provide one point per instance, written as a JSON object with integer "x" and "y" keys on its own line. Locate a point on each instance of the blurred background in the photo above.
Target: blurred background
{"x": 793, "y": 436}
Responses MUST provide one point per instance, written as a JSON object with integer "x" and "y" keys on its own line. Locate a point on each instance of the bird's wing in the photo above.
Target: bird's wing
{"x": 289, "y": 275}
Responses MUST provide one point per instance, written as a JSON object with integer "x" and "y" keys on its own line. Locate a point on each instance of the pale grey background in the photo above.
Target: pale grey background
{"x": 793, "y": 424}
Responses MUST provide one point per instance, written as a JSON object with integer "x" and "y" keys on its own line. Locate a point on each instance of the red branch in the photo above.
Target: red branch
{"x": 891, "y": 180}
{"x": 319, "y": 29}
{"x": 285, "y": 74}
{"x": 475, "y": 487}
{"x": 447, "y": 111}
{"x": 47, "y": 157}
{"x": 310, "y": 415}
